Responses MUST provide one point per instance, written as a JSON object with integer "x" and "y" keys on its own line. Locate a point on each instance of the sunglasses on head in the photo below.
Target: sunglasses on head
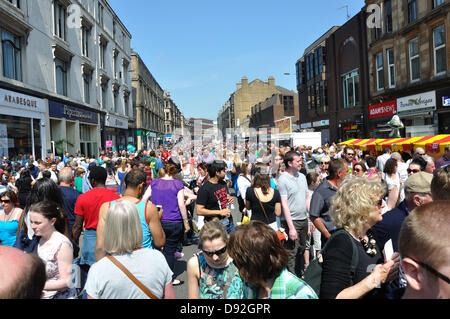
{"x": 217, "y": 252}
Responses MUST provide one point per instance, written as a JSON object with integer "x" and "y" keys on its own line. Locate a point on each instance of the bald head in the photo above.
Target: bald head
{"x": 66, "y": 175}
{"x": 23, "y": 275}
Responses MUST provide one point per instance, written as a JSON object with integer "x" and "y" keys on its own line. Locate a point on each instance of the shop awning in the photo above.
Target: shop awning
{"x": 369, "y": 145}
{"x": 431, "y": 144}
{"x": 434, "y": 144}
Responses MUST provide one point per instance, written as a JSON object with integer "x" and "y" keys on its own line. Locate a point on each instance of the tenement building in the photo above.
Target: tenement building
{"x": 408, "y": 60}
{"x": 64, "y": 83}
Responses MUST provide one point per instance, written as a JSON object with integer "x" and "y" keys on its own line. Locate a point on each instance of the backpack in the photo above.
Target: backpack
{"x": 313, "y": 274}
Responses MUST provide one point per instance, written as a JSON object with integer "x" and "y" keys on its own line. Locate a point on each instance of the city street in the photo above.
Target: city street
{"x": 181, "y": 291}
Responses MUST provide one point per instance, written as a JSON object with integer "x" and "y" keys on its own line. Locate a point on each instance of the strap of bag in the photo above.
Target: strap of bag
{"x": 130, "y": 275}
{"x": 355, "y": 255}
{"x": 262, "y": 207}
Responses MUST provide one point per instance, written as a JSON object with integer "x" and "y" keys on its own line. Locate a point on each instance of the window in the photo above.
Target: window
{"x": 102, "y": 54}
{"x": 320, "y": 60}
{"x": 388, "y": 16}
{"x": 437, "y": 3}
{"x": 116, "y": 100}
{"x": 11, "y": 52}
{"x": 61, "y": 77}
{"x": 15, "y": 3}
{"x": 380, "y": 71}
{"x": 391, "y": 67}
{"x": 86, "y": 86}
{"x": 85, "y": 35}
{"x": 412, "y": 11}
{"x": 116, "y": 69}
{"x": 60, "y": 20}
{"x": 439, "y": 50}
{"x": 100, "y": 14}
{"x": 307, "y": 68}
{"x": 104, "y": 96}
{"x": 414, "y": 65}
{"x": 350, "y": 86}
{"x": 316, "y": 62}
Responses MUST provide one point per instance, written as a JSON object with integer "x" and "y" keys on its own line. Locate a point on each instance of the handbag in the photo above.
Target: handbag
{"x": 281, "y": 234}
{"x": 245, "y": 218}
{"x": 133, "y": 279}
{"x": 26, "y": 244}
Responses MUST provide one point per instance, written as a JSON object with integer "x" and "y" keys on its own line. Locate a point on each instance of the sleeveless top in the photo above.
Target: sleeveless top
{"x": 48, "y": 255}
{"x": 147, "y": 235}
{"x": 219, "y": 283}
{"x": 8, "y": 230}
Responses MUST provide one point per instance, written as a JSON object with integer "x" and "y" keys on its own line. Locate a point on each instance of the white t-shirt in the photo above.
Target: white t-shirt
{"x": 106, "y": 281}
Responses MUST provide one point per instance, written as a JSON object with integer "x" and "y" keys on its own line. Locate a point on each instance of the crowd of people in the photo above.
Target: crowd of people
{"x": 374, "y": 224}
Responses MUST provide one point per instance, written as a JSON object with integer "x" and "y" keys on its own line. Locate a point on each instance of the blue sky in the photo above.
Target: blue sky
{"x": 199, "y": 49}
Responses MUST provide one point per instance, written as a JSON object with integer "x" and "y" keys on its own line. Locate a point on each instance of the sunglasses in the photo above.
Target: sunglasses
{"x": 432, "y": 270}
{"x": 217, "y": 252}
{"x": 413, "y": 171}
{"x": 350, "y": 154}
{"x": 324, "y": 163}
{"x": 380, "y": 203}
{"x": 6, "y": 201}
{"x": 357, "y": 170}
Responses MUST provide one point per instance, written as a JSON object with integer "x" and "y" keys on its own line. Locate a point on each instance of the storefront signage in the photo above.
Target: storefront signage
{"x": 22, "y": 101}
{"x": 117, "y": 122}
{"x": 321, "y": 123}
{"x": 108, "y": 144}
{"x": 71, "y": 113}
{"x": 446, "y": 101}
{"x": 284, "y": 125}
{"x": 417, "y": 102}
{"x": 386, "y": 109}
{"x": 305, "y": 125}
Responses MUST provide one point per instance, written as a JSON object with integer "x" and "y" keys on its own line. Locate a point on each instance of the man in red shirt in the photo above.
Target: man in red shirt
{"x": 87, "y": 209}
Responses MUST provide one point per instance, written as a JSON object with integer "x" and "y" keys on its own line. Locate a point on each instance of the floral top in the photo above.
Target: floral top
{"x": 219, "y": 283}
{"x": 48, "y": 255}
{"x": 286, "y": 286}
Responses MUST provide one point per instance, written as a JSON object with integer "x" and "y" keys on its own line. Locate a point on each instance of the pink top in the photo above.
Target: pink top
{"x": 48, "y": 255}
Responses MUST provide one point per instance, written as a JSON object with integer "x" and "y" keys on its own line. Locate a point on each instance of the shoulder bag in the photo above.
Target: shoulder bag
{"x": 133, "y": 278}
{"x": 280, "y": 231}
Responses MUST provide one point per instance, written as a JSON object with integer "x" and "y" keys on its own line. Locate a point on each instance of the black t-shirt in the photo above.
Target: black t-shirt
{"x": 269, "y": 207}
{"x": 211, "y": 195}
{"x": 336, "y": 268}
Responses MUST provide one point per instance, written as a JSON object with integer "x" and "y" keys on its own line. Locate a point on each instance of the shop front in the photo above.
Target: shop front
{"x": 22, "y": 119}
{"x": 323, "y": 126}
{"x": 74, "y": 130}
{"x": 417, "y": 112}
{"x": 379, "y": 115}
{"x": 116, "y": 128}
{"x": 443, "y": 110}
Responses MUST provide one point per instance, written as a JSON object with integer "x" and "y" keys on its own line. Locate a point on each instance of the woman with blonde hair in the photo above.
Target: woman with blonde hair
{"x": 211, "y": 273}
{"x": 122, "y": 240}
{"x": 356, "y": 207}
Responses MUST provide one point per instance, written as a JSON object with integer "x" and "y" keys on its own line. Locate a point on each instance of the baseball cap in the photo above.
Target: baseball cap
{"x": 419, "y": 183}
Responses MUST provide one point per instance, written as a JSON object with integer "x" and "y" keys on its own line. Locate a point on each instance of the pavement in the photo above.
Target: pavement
{"x": 181, "y": 291}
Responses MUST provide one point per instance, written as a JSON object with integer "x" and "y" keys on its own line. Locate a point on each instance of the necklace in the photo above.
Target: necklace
{"x": 8, "y": 215}
{"x": 370, "y": 248}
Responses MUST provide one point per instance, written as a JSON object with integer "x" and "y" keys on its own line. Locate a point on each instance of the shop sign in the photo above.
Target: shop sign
{"x": 321, "y": 123}
{"x": 284, "y": 125}
{"x": 386, "y": 109}
{"x": 446, "y": 101}
{"x": 417, "y": 102}
{"x": 305, "y": 125}
{"x": 117, "y": 122}
{"x": 72, "y": 113}
{"x": 108, "y": 144}
{"x": 21, "y": 101}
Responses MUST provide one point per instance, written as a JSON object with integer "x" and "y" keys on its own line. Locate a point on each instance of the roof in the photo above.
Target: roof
{"x": 316, "y": 43}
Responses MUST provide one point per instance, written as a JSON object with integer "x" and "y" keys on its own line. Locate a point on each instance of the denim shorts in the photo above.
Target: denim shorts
{"x": 88, "y": 249}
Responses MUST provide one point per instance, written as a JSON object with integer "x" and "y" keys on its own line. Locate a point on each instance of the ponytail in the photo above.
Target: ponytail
{"x": 51, "y": 210}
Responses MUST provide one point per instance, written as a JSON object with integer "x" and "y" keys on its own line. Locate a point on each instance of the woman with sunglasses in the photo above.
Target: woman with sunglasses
{"x": 211, "y": 273}
{"x": 10, "y": 216}
{"x": 353, "y": 263}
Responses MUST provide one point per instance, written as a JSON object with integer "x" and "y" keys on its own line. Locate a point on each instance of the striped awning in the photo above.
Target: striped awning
{"x": 350, "y": 142}
{"x": 370, "y": 144}
{"x": 434, "y": 144}
{"x": 390, "y": 143}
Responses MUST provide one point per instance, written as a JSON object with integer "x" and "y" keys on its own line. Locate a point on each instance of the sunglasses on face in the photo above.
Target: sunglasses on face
{"x": 413, "y": 171}
{"x": 324, "y": 163}
{"x": 380, "y": 203}
{"x": 217, "y": 252}
{"x": 350, "y": 154}
{"x": 5, "y": 201}
{"x": 358, "y": 170}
